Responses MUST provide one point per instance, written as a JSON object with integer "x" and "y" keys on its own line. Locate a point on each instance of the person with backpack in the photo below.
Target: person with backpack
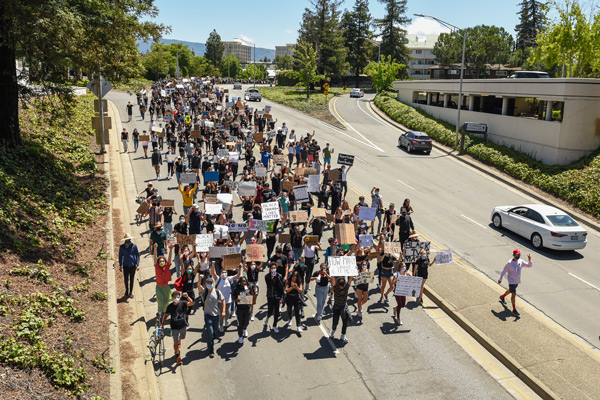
{"x": 177, "y": 310}
{"x": 214, "y": 308}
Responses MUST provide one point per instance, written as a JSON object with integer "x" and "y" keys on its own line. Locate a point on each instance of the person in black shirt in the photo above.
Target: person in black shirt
{"x": 280, "y": 260}
{"x": 168, "y": 219}
{"x": 405, "y": 226}
{"x": 317, "y": 225}
{"x": 188, "y": 283}
{"x": 179, "y": 229}
{"x": 252, "y": 272}
{"x": 293, "y": 300}
{"x": 340, "y": 308}
{"x": 177, "y": 311}
{"x": 386, "y": 272}
{"x": 274, "y": 287}
{"x": 242, "y": 295}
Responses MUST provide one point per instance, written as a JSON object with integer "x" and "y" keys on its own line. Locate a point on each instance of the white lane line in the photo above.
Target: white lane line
{"x": 405, "y": 184}
{"x": 358, "y": 158}
{"x": 369, "y": 115}
{"x": 362, "y": 136}
{"x": 584, "y": 281}
{"x": 350, "y": 137}
{"x": 335, "y": 350}
{"x": 473, "y": 221}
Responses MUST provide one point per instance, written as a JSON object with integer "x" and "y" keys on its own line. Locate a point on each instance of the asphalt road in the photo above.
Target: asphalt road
{"x": 452, "y": 204}
{"x": 417, "y": 360}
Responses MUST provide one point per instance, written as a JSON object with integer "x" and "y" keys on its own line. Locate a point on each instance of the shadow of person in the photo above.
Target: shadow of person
{"x": 505, "y": 314}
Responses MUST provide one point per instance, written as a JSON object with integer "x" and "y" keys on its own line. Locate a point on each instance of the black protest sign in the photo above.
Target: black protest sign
{"x": 345, "y": 159}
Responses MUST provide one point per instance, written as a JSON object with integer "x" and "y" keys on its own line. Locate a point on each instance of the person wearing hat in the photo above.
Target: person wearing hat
{"x": 158, "y": 237}
{"x": 512, "y": 270}
{"x": 129, "y": 260}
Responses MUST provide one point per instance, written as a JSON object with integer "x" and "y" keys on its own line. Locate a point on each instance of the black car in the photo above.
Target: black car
{"x": 414, "y": 140}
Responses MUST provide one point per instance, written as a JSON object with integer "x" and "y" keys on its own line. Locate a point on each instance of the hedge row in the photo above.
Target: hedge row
{"x": 578, "y": 183}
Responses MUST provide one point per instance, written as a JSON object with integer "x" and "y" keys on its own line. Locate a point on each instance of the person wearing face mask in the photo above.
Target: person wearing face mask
{"x": 223, "y": 284}
{"x": 252, "y": 271}
{"x": 512, "y": 270}
{"x": 179, "y": 229}
{"x": 293, "y": 291}
{"x": 178, "y": 311}
{"x": 214, "y": 308}
{"x": 340, "y": 306}
{"x": 321, "y": 289}
{"x": 162, "y": 268}
{"x": 189, "y": 277}
{"x": 187, "y": 194}
{"x": 400, "y": 300}
{"x": 422, "y": 270}
{"x": 275, "y": 290}
{"x": 377, "y": 204}
{"x": 242, "y": 295}
{"x": 158, "y": 237}
{"x": 129, "y": 262}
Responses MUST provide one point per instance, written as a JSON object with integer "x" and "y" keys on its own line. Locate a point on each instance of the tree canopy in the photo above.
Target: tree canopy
{"x": 356, "y": 26}
{"x": 391, "y": 31}
{"x": 384, "y": 73}
{"x": 214, "y": 48}
{"x": 305, "y": 64}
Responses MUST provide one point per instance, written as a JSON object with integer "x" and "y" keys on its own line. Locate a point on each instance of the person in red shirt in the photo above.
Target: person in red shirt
{"x": 162, "y": 268}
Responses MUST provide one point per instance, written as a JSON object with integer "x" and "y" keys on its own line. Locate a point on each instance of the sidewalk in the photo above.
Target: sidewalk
{"x": 548, "y": 358}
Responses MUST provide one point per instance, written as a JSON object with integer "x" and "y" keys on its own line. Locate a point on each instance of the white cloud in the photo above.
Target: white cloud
{"x": 289, "y": 31}
{"x": 425, "y": 26}
{"x": 244, "y": 39}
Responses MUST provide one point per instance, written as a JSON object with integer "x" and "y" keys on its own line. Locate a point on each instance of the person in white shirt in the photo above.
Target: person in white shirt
{"x": 512, "y": 270}
{"x": 223, "y": 284}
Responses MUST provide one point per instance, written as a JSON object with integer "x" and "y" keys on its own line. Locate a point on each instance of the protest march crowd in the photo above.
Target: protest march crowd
{"x": 225, "y": 153}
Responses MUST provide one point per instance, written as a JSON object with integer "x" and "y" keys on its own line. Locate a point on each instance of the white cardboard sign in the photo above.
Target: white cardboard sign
{"x": 407, "y": 285}
{"x": 443, "y": 257}
{"x": 204, "y": 242}
{"x": 212, "y": 209}
{"x": 313, "y": 183}
{"x": 367, "y": 213}
{"x": 238, "y": 227}
{"x": 342, "y": 266}
{"x": 270, "y": 211}
{"x": 301, "y": 193}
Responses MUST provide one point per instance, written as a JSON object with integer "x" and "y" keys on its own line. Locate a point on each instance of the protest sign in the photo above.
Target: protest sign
{"x": 311, "y": 240}
{"x": 204, "y": 242}
{"x": 232, "y": 261}
{"x": 443, "y": 257}
{"x": 247, "y": 188}
{"x": 345, "y": 159}
{"x": 261, "y": 172}
{"x": 167, "y": 203}
{"x": 212, "y": 209}
{"x": 393, "y": 248}
{"x": 373, "y": 254}
{"x": 394, "y": 218}
{"x": 225, "y": 198}
{"x": 270, "y": 211}
{"x": 298, "y": 216}
{"x": 234, "y": 157}
{"x": 196, "y": 134}
{"x": 157, "y": 129}
{"x": 301, "y": 193}
{"x": 223, "y": 153}
{"x": 285, "y": 238}
{"x": 407, "y": 285}
{"x": 245, "y": 299}
{"x": 219, "y": 252}
{"x": 344, "y": 233}
{"x": 143, "y": 208}
{"x": 342, "y": 266}
{"x": 189, "y": 178}
{"x": 221, "y": 232}
{"x": 365, "y": 240}
{"x": 186, "y": 239}
{"x": 334, "y": 175}
{"x": 412, "y": 249}
{"x": 258, "y": 137}
{"x": 313, "y": 183}
{"x": 237, "y": 227}
{"x": 144, "y": 138}
{"x": 367, "y": 213}
{"x": 318, "y": 212}
{"x": 170, "y": 158}
{"x": 229, "y": 104}
{"x": 256, "y": 252}
{"x": 310, "y": 171}
{"x": 260, "y": 225}
{"x": 211, "y": 176}
{"x": 288, "y": 185}
{"x": 210, "y": 198}
{"x": 268, "y": 116}
{"x": 364, "y": 277}
{"x": 233, "y": 185}
{"x": 279, "y": 159}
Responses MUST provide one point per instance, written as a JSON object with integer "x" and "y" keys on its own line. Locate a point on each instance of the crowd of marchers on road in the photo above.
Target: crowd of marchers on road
{"x": 290, "y": 198}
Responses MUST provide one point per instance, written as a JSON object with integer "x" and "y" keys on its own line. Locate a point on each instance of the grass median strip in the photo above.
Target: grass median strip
{"x": 576, "y": 183}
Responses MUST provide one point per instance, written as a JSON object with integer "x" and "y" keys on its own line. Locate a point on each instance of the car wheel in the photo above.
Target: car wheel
{"x": 536, "y": 241}
{"x": 409, "y": 148}
{"x": 399, "y": 143}
{"x": 497, "y": 220}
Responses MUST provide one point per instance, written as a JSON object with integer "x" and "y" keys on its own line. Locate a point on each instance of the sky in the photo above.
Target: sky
{"x": 270, "y": 23}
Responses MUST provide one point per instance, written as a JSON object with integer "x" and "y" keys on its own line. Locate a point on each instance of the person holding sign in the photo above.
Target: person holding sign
{"x": 512, "y": 270}
{"x": 340, "y": 306}
{"x": 400, "y": 300}
{"x": 422, "y": 270}
{"x": 321, "y": 289}
{"x": 214, "y": 306}
{"x": 178, "y": 311}
{"x": 242, "y": 295}
{"x": 224, "y": 284}
{"x": 162, "y": 268}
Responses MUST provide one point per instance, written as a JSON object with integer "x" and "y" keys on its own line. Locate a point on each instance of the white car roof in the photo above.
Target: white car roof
{"x": 544, "y": 209}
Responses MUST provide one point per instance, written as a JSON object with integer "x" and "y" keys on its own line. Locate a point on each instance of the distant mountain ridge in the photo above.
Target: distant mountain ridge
{"x": 200, "y": 48}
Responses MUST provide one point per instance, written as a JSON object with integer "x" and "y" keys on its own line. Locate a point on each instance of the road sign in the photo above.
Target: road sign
{"x": 105, "y": 87}
{"x": 326, "y": 92}
{"x": 326, "y": 86}
{"x": 97, "y": 106}
{"x": 344, "y": 87}
{"x": 475, "y": 127}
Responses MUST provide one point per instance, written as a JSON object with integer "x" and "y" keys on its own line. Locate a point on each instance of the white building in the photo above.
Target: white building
{"x": 553, "y": 120}
{"x": 287, "y": 50}
{"x": 241, "y": 51}
{"x": 421, "y": 55}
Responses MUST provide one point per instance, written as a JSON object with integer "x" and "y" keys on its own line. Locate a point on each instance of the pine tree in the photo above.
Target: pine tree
{"x": 532, "y": 19}
{"x": 392, "y": 34}
{"x": 214, "y": 48}
{"x": 321, "y": 27}
{"x": 356, "y": 25}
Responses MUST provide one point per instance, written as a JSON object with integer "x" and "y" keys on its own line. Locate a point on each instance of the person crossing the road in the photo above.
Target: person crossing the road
{"x": 512, "y": 270}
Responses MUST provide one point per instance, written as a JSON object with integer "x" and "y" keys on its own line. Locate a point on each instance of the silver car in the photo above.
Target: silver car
{"x": 237, "y": 86}
{"x": 252, "y": 94}
{"x": 357, "y": 93}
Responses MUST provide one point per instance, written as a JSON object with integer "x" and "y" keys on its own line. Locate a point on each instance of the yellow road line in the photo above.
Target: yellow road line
{"x": 336, "y": 111}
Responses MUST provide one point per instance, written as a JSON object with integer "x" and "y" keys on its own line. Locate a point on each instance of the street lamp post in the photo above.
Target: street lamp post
{"x": 462, "y": 71}
{"x": 378, "y": 49}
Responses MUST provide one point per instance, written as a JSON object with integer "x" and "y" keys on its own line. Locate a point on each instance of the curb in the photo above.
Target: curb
{"x": 495, "y": 173}
{"x": 514, "y": 366}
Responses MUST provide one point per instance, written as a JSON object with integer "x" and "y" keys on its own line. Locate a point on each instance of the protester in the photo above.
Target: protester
{"x": 400, "y": 300}
{"x": 422, "y": 270}
{"x": 512, "y": 270}
{"x": 340, "y": 306}
{"x": 162, "y": 268}
{"x": 214, "y": 308}
{"x": 129, "y": 263}
{"x": 275, "y": 289}
{"x": 177, "y": 310}
{"x": 242, "y": 295}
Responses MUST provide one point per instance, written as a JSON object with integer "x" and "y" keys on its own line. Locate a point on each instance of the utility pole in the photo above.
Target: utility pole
{"x": 99, "y": 90}
{"x": 255, "y": 64}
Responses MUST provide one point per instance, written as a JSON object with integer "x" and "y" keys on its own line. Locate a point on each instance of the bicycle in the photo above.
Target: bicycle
{"x": 156, "y": 345}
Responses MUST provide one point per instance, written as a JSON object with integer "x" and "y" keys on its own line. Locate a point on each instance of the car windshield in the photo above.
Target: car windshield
{"x": 561, "y": 220}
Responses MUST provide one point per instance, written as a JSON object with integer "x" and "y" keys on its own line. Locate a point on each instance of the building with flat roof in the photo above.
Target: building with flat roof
{"x": 556, "y": 121}
{"x": 240, "y": 50}
{"x": 287, "y": 50}
{"x": 421, "y": 55}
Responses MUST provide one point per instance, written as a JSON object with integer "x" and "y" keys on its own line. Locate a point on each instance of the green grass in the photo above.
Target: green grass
{"x": 578, "y": 183}
{"x": 316, "y": 106}
{"x": 134, "y": 85}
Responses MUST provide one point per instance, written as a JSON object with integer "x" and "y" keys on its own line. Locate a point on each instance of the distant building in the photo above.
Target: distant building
{"x": 421, "y": 55}
{"x": 287, "y": 50}
{"x": 241, "y": 51}
{"x": 491, "y": 71}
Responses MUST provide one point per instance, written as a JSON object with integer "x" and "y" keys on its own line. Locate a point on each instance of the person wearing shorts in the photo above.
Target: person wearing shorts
{"x": 177, "y": 310}
{"x": 512, "y": 270}
{"x": 387, "y": 270}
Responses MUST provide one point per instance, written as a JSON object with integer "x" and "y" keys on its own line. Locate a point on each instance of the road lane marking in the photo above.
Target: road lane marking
{"x": 345, "y": 134}
{"x": 357, "y": 157}
{"x": 368, "y": 115}
{"x": 473, "y": 221}
{"x": 405, "y": 184}
{"x": 335, "y": 350}
{"x": 351, "y": 127}
{"x": 584, "y": 281}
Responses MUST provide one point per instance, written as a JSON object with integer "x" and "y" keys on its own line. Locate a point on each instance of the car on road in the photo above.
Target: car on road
{"x": 529, "y": 74}
{"x": 252, "y": 94}
{"x": 544, "y": 226}
{"x": 357, "y": 93}
{"x": 415, "y": 140}
{"x": 237, "y": 86}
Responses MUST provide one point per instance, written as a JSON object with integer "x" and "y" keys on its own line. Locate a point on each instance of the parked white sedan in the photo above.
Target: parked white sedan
{"x": 544, "y": 225}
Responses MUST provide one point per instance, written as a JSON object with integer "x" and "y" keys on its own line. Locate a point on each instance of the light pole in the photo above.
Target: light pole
{"x": 462, "y": 69}
{"x": 378, "y": 49}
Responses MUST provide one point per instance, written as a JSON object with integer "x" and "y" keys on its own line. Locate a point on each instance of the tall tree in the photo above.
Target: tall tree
{"x": 305, "y": 65}
{"x": 157, "y": 61}
{"x": 532, "y": 19}
{"x": 230, "y": 66}
{"x": 321, "y": 27}
{"x": 485, "y": 45}
{"x": 391, "y": 31}
{"x": 356, "y": 26}
{"x": 384, "y": 73}
{"x": 51, "y": 36}
{"x": 214, "y": 48}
